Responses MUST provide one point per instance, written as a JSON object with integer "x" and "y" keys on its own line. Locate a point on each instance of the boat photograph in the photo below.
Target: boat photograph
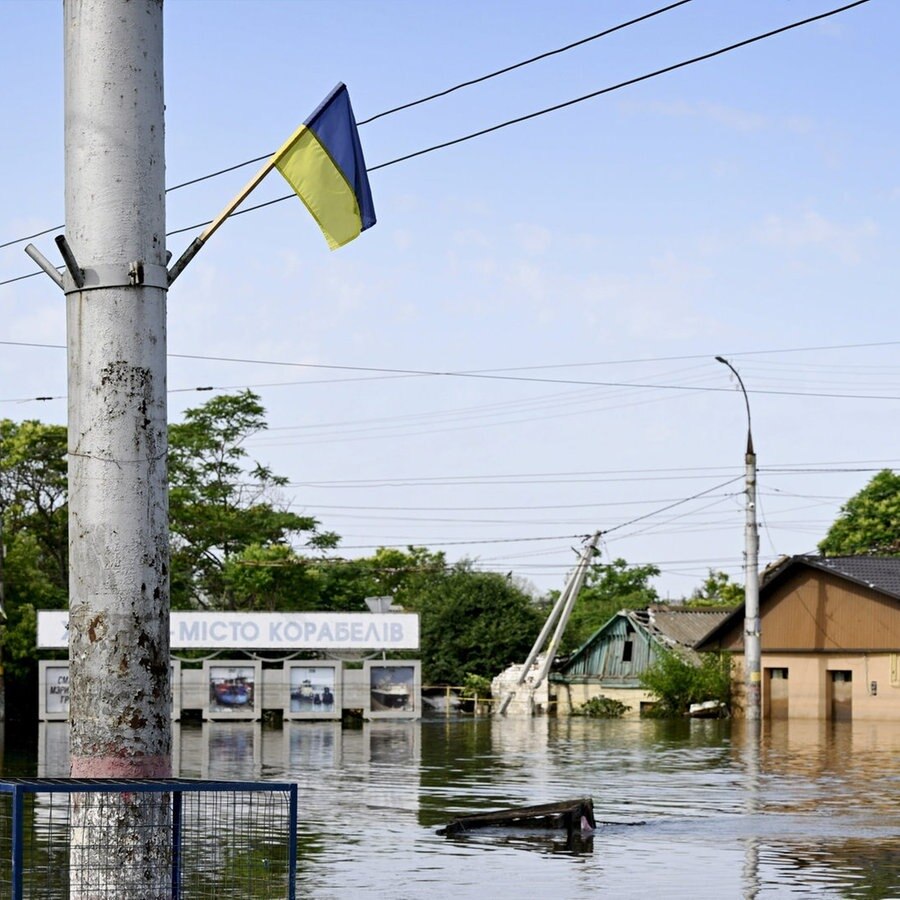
{"x": 231, "y": 688}
{"x": 391, "y": 688}
{"x": 312, "y": 689}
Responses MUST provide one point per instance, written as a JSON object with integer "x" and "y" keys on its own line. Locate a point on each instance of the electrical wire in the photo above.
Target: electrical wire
{"x": 622, "y": 84}
{"x": 500, "y": 376}
{"x": 527, "y": 117}
{"x": 527, "y": 62}
{"x": 396, "y": 109}
{"x": 605, "y": 532}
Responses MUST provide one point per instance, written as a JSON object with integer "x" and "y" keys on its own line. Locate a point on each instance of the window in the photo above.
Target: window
{"x": 628, "y": 646}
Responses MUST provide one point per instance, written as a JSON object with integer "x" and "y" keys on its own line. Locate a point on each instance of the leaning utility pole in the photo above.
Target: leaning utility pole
{"x": 559, "y": 617}
{"x": 115, "y": 285}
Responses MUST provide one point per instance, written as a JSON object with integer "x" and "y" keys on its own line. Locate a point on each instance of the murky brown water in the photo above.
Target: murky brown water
{"x": 690, "y": 809}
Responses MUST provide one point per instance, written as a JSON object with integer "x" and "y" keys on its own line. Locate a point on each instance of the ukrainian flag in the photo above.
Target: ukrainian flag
{"x": 323, "y": 162}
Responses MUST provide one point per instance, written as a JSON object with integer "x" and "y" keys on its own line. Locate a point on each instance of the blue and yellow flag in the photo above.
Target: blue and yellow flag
{"x": 323, "y": 162}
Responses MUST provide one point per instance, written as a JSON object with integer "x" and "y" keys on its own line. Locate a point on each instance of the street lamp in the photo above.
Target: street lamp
{"x": 752, "y": 650}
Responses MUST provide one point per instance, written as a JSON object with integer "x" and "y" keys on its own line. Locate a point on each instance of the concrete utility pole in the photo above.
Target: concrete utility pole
{"x": 115, "y": 285}
{"x": 752, "y": 648}
{"x": 559, "y": 617}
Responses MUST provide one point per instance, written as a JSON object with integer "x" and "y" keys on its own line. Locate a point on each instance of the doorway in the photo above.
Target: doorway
{"x": 840, "y": 695}
{"x": 775, "y": 698}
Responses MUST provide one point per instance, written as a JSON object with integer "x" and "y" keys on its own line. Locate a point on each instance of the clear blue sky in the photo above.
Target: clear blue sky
{"x": 747, "y": 206}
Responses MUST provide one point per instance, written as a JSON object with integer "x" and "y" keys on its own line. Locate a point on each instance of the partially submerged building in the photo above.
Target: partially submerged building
{"x": 830, "y": 639}
{"x": 612, "y": 660}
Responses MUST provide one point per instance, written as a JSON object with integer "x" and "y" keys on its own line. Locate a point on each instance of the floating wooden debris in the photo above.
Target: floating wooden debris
{"x": 574, "y": 816}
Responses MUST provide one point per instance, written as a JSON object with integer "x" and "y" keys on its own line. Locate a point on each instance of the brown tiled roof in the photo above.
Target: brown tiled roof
{"x": 881, "y": 573}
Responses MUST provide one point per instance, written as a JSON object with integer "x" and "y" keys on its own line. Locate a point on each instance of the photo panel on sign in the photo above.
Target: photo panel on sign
{"x": 314, "y": 690}
{"x": 393, "y": 689}
{"x": 53, "y": 697}
{"x": 232, "y": 689}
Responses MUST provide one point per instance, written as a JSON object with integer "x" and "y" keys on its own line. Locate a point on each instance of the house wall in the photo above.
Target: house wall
{"x": 813, "y": 693}
{"x": 817, "y": 611}
{"x": 572, "y": 694}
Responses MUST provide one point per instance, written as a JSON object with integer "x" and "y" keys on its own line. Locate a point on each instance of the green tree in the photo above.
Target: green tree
{"x": 608, "y": 588}
{"x": 472, "y": 623}
{"x": 220, "y": 502}
{"x": 271, "y": 578}
{"x": 33, "y": 490}
{"x": 717, "y": 590}
{"x": 344, "y": 584}
{"x": 678, "y": 682}
{"x": 869, "y": 522}
{"x": 33, "y": 482}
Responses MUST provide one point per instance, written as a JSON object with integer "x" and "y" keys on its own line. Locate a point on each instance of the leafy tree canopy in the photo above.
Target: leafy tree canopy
{"x": 33, "y": 472}
{"x": 221, "y": 503}
{"x": 869, "y": 522}
{"x": 472, "y": 622}
{"x": 717, "y": 590}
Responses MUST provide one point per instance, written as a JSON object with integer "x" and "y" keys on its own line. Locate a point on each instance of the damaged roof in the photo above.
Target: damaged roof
{"x": 679, "y": 624}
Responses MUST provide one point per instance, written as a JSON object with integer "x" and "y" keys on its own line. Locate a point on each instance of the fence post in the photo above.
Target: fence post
{"x": 292, "y": 843}
{"x": 176, "y": 844}
{"x": 18, "y": 842}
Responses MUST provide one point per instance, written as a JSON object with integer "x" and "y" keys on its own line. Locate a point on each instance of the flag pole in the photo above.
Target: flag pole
{"x": 194, "y": 247}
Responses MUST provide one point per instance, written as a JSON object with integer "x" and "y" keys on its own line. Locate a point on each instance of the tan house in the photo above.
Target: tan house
{"x": 830, "y": 637}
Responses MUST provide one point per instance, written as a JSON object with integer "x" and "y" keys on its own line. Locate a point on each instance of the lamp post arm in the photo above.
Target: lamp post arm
{"x": 737, "y": 375}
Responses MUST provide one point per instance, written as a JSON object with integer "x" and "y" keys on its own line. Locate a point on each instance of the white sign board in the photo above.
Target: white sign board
{"x": 54, "y": 687}
{"x": 265, "y": 631}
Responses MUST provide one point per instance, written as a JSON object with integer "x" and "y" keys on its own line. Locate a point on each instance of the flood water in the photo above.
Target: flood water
{"x": 688, "y": 809}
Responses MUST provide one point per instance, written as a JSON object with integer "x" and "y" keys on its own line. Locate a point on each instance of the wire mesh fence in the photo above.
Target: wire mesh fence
{"x": 74, "y": 839}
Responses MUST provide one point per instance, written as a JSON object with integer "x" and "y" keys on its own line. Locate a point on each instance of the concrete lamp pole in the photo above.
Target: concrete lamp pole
{"x": 752, "y": 649}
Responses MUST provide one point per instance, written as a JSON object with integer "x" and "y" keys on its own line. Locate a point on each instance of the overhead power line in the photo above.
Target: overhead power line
{"x": 622, "y": 84}
{"x": 605, "y": 532}
{"x": 509, "y": 122}
{"x": 396, "y": 109}
{"x": 525, "y": 62}
{"x": 380, "y": 373}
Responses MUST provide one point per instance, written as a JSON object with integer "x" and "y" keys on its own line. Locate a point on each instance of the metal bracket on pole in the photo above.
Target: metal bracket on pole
{"x": 45, "y": 264}
{"x": 75, "y": 270}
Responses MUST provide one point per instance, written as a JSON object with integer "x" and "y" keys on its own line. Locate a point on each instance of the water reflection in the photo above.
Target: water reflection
{"x": 311, "y": 746}
{"x": 805, "y": 809}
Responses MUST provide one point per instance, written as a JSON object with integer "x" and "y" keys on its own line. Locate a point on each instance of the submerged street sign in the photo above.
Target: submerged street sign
{"x": 265, "y": 631}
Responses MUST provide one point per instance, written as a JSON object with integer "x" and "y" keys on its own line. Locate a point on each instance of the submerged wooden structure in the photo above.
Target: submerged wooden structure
{"x": 573, "y": 816}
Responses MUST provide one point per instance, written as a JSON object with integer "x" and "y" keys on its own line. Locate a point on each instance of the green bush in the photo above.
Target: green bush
{"x": 601, "y": 708}
{"x": 677, "y": 683}
{"x": 476, "y": 686}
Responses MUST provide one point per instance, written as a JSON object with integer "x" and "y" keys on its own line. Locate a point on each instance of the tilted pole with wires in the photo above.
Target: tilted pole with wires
{"x": 752, "y": 640}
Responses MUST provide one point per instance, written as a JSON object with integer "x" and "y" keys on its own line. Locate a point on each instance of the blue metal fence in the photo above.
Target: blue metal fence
{"x": 219, "y": 839}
